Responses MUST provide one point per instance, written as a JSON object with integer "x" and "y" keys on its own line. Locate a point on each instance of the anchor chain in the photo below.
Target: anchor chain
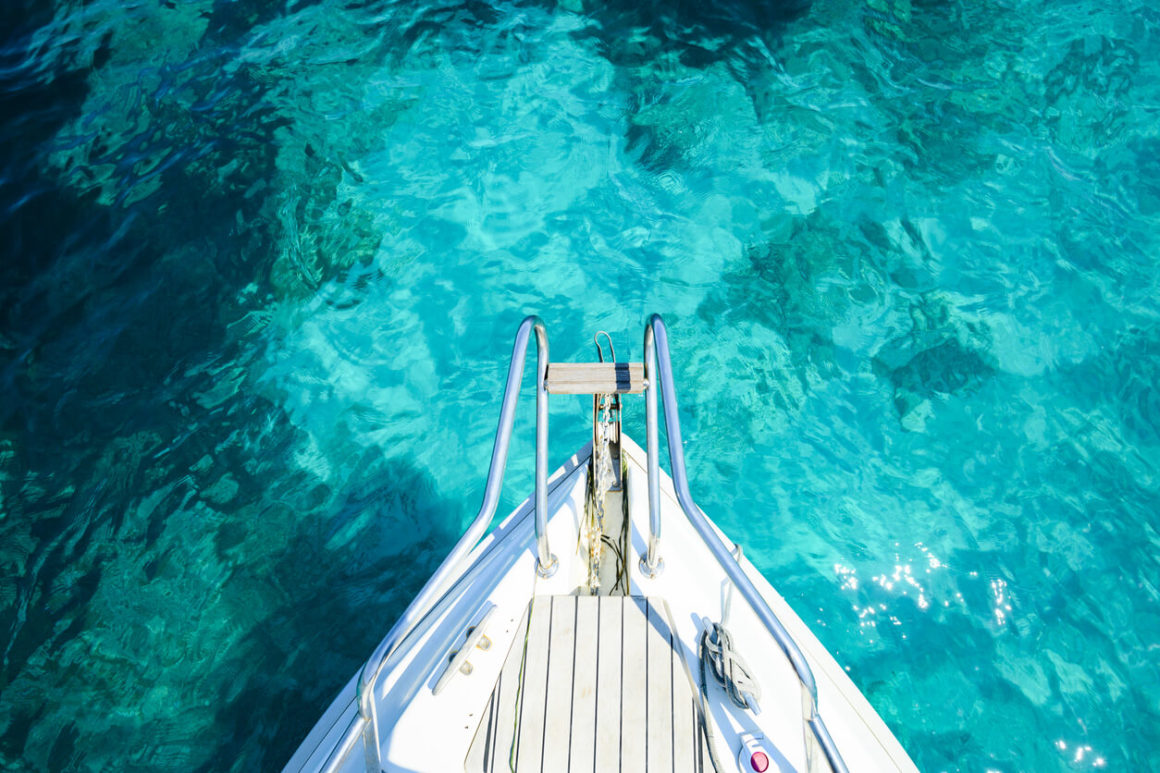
{"x": 602, "y": 479}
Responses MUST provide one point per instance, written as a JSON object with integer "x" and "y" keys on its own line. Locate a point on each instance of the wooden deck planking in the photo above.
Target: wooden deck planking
{"x": 582, "y": 736}
{"x": 600, "y": 378}
{"x": 659, "y": 692}
{"x": 533, "y": 702}
{"x": 634, "y": 685}
{"x": 598, "y": 684}
{"x": 562, "y": 645}
{"x": 686, "y": 723}
{"x": 608, "y": 684}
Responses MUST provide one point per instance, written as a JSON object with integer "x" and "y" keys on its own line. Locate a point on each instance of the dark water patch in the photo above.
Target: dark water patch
{"x": 944, "y": 369}
{"x": 64, "y": 754}
{"x": 98, "y": 315}
{"x": 1094, "y": 65}
{"x": 941, "y": 356}
{"x": 338, "y": 236}
{"x": 230, "y": 21}
{"x": 334, "y": 611}
{"x": 36, "y": 218}
{"x": 653, "y": 45}
{"x": 113, "y": 272}
{"x": 948, "y": 93}
{"x": 700, "y": 34}
{"x": 790, "y": 283}
{"x": 274, "y": 554}
{"x": 12, "y": 740}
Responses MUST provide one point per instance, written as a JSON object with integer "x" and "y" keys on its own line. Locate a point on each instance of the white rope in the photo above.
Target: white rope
{"x": 729, "y": 668}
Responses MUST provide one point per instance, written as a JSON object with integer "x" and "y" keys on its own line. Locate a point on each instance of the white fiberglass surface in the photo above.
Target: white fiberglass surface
{"x": 425, "y": 731}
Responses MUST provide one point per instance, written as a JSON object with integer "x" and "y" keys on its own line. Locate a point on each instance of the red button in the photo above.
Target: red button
{"x": 759, "y": 762}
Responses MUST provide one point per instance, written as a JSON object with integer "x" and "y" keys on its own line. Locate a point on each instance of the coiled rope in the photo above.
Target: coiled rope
{"x": 731, "y": 672}
{"x": 729, "y": 668}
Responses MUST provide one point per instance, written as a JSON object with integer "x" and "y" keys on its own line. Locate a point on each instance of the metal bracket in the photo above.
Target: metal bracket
{"x": 651, "y": 571}
{"x": 473, "y": 637}
{"x": 547, "y": 570}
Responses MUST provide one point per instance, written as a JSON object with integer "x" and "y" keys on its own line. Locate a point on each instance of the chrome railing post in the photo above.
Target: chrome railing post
{"x": 732, "y": 567}
{"x": 651, "y": 564}
{"x": 545, "y": 563}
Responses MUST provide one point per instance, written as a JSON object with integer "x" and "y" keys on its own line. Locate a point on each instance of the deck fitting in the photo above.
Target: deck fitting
{"x": 651, "y": 572}
{"x": 546, "y": 571}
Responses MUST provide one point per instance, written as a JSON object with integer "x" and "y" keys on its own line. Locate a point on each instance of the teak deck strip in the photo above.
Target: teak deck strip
{"x": 595, "y": 378}
{"x": 599, "y": 683}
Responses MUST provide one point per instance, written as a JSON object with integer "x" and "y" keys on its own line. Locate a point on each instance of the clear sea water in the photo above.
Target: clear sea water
{"x": 261, "y": 264}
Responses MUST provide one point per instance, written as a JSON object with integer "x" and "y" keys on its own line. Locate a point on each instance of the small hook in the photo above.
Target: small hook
{"x": 599, "y": 350}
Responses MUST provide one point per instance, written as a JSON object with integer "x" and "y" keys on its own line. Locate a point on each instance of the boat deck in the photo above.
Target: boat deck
{"x": 592, "y": 683}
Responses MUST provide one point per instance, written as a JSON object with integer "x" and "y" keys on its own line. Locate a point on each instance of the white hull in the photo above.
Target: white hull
{"x": 423, "y": 731}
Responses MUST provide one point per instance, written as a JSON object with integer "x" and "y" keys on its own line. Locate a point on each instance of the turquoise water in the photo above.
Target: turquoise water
{"x": 262, "y": 263}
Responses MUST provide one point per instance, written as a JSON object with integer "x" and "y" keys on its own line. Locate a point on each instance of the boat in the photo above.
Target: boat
{"x": 606, "y": 624}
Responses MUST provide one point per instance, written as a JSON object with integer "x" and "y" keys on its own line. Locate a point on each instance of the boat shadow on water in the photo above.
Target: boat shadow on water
{"x": 400, "y": 527}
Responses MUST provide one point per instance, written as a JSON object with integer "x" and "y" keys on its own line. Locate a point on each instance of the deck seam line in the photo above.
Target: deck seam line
{"x": 596, "y": 692}
{"x": 620, "y": 761}
{"x": 487, "y": 735}
{"x": 672, "y": 700}
{"x": 547, "y": 681}
{"x": 514, "y": 754}
{"x": 575, "y": 646}
{"x": 647, "y": 729}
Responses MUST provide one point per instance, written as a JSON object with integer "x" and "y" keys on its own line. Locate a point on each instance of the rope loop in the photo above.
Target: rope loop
{"x": 728, "y": 667}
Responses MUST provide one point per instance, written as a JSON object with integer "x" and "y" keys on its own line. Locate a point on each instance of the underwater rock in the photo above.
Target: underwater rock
{"x": 932, "y": 363}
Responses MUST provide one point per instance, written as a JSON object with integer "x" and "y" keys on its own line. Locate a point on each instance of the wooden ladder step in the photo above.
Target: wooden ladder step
{"x": 595, "y": 378}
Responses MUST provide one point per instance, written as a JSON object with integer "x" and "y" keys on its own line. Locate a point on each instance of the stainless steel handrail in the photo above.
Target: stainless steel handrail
{"x": 651, "y": 563}
{"x": 658, "y": 368}
{"x": 546, "y": 563}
